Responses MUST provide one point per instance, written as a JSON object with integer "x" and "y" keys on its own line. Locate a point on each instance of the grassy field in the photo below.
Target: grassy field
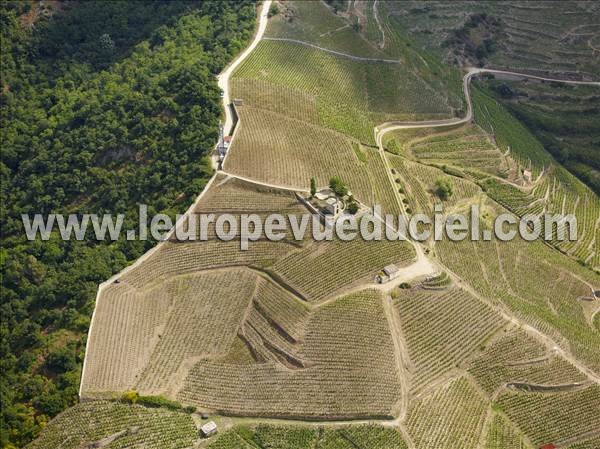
{"x": 88, "y": 423}
{"x": 348, "y": 372}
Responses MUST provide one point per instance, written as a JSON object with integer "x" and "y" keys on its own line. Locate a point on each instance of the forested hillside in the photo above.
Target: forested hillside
{"x": 104, "y": 105}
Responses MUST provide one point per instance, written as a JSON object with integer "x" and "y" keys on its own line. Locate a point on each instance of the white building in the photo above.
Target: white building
{"x": 208, "y": 429}
{"x": 327, "y": 202}
{"x": 388, "y": 273}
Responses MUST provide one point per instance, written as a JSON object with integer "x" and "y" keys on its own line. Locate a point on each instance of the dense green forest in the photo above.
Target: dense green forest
{"x": 104, "y": 105}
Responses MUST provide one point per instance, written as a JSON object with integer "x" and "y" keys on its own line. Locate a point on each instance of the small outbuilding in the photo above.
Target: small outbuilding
{"x": 527, "y": 176}
{"x": 209, "y": 429}
{"x": 327, "y": 203}
{"x": 388, "y": 273}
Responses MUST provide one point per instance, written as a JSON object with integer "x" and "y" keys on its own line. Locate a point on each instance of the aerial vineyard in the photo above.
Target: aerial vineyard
{"x": 509, "y": 134}
{"x": 554, "y": 418}
{"x": 351, "y": 96}
{"x": 555, "y": 40}
{"x": 129, "y": 425}
{"x": 204, "y": 314}
{"x": 442, "y": 330}
{"x": 518, "y": 358}
{"x": 272, "y": 148}
{"x": 325, "y": 268}
{"x": 235, "y": 195}
{"x": 468, "y": 148}
{"x": 417, "y": 182}
{"x": 160, "y": 326}
{"x": 280, "y": 307}
{"x": 451, "y": 416}
{"x": 501, "y": 434}
{"x": 553, "y": 194}
{"x": 265, "y": 436}
{"x": 535, "y": 282}
{"x": 172, "y": 259}
{"x": 316, "y": 23}
{"x": 348, "y": 371}
{"x": 298, "y": 330}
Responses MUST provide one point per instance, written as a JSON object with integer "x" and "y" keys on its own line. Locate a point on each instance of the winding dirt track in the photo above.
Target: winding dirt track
{"x": 472, "y": 71}
{"x": 223, "y": 78}
{"x": 333, "y": 52}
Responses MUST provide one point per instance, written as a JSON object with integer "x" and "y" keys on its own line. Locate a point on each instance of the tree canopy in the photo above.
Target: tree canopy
{"x": 103, "y": 106}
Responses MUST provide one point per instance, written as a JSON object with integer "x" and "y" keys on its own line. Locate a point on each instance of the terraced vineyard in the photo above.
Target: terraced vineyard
{"x": 533, "y": 281}
{"x": 517, "y": 358}
{"x": 315, "y": 272}
{"x": 347, "y": 371}
{"x": 541, "y": 37}
{"x": 467, "y": 149}
{"x": 272, "y": 148}
{"x": 501, "y": 434}
{"x": 562, "y": 117}
{"x": 93, "y": 422}
{"x": 298, "y": 437}
{"x": 549, "y": 418}
{"x": 349, "y": 96}
{"x": 442, "y": 330}
{"x": 417, "y": 182}
{"x": 165, "y": 336}
{"x": 449, "y": 417}
{"x": 475, "y": 344}
{"x": 314, "y": 23}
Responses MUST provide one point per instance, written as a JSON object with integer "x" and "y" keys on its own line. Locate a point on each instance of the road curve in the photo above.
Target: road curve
{"x": 472, "y": 71}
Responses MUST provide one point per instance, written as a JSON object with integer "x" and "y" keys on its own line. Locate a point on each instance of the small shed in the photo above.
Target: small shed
{"x": 527, "y": 176}
{"x": 392, "y": 271}
{"x": 388, "y": 273}
{"x": 208, "y": 429}
{"x": 238, "y": 102}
